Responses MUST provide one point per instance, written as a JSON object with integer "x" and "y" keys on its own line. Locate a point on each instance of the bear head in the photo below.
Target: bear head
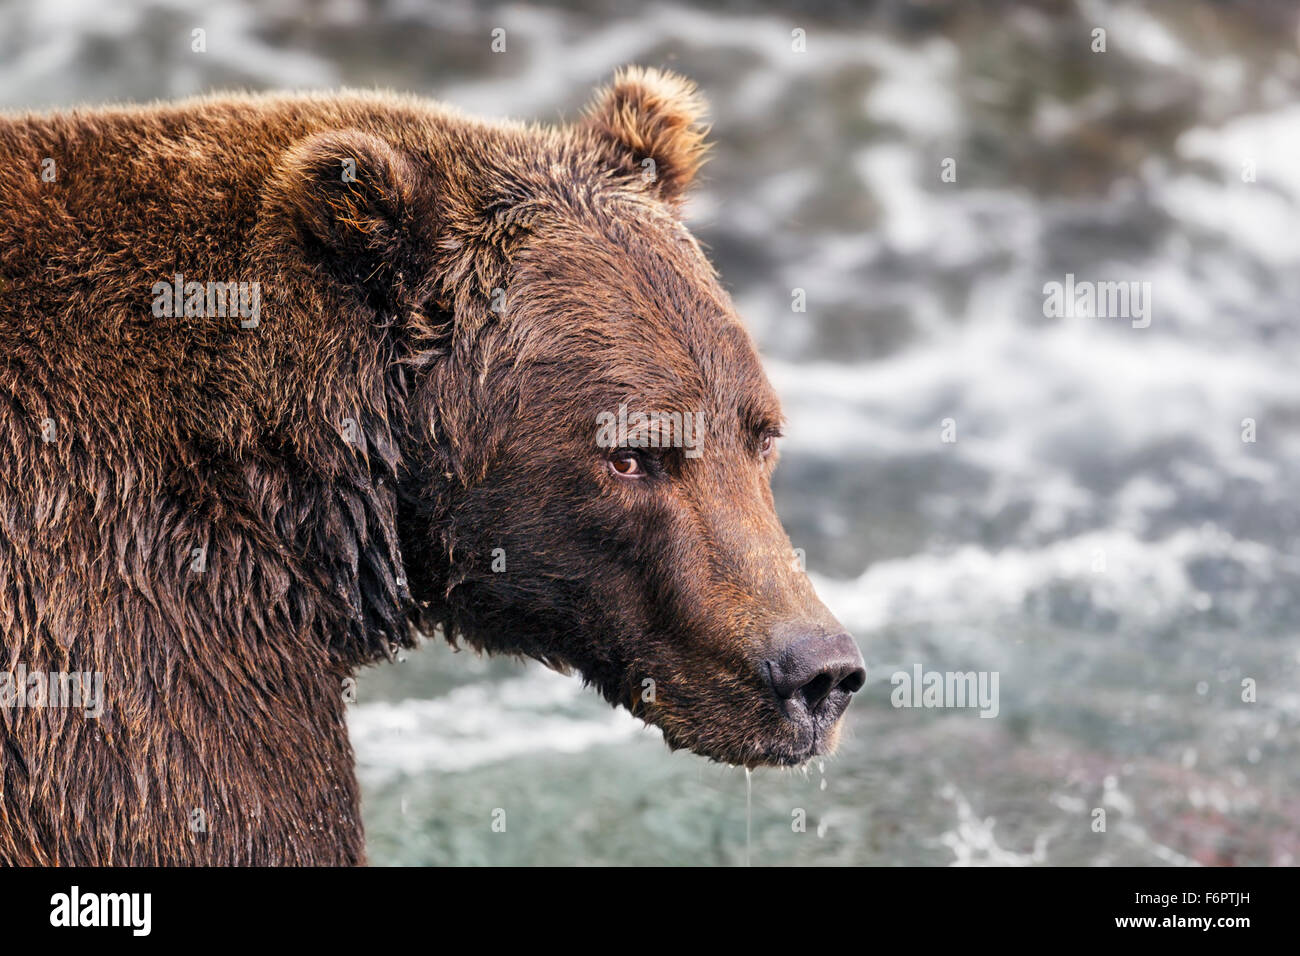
{"x": 583, "y": 433}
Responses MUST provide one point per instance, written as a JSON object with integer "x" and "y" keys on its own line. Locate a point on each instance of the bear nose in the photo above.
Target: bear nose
{"x": 812, "y": 668}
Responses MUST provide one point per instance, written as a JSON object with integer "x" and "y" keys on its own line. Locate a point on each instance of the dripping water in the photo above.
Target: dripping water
{"x": 749, "y": 810}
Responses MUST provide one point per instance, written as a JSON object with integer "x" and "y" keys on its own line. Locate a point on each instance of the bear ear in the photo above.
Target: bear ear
{"x": 362, "y": 210}
{"x": 655, "y": 121}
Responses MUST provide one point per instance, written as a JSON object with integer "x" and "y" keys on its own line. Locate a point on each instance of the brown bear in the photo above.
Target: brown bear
{"x": 291, "y": 380}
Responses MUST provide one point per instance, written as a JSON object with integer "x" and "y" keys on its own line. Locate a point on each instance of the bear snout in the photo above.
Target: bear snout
{"x": 814, "y": 676}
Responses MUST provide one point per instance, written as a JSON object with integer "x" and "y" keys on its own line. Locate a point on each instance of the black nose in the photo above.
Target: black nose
{"x": 813, "y": 668}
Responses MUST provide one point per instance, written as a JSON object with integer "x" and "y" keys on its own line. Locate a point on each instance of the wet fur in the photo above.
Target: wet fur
{"x": 225, "y": 686}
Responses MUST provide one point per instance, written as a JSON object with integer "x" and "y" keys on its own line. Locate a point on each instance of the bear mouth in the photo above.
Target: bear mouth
{"x": 779, "y": 758}
{"x": 789, "y": 757}
{"x": 821, "y": 742}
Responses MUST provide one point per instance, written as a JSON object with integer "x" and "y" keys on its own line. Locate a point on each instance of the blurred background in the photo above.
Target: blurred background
{"x": 1099, "y": 533}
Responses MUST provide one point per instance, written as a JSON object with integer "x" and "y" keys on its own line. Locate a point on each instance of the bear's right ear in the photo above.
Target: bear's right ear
{"x": 362, "y": 210}
{"x": 654, "y": 120}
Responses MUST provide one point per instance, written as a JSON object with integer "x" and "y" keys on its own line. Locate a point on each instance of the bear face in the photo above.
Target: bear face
{"x": 661, "y": 574}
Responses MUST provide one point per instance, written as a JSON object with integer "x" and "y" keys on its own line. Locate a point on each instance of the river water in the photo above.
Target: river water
{"x": 1101, "y": 534}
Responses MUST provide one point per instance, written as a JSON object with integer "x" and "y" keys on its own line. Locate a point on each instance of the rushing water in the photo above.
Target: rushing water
{"x": 1098, "y": 535}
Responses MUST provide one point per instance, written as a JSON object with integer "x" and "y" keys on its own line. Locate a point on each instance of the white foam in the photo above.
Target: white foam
{"x": 483, "y": 723}
{"x": 972, "y": 584}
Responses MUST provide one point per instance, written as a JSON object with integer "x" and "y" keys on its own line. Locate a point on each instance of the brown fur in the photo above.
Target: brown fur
{"x": 327, "y": 544}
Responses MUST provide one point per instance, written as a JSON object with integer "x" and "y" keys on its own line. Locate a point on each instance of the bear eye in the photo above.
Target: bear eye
{"x": 768, "y": 444}
{"x": 626, "y": 465}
